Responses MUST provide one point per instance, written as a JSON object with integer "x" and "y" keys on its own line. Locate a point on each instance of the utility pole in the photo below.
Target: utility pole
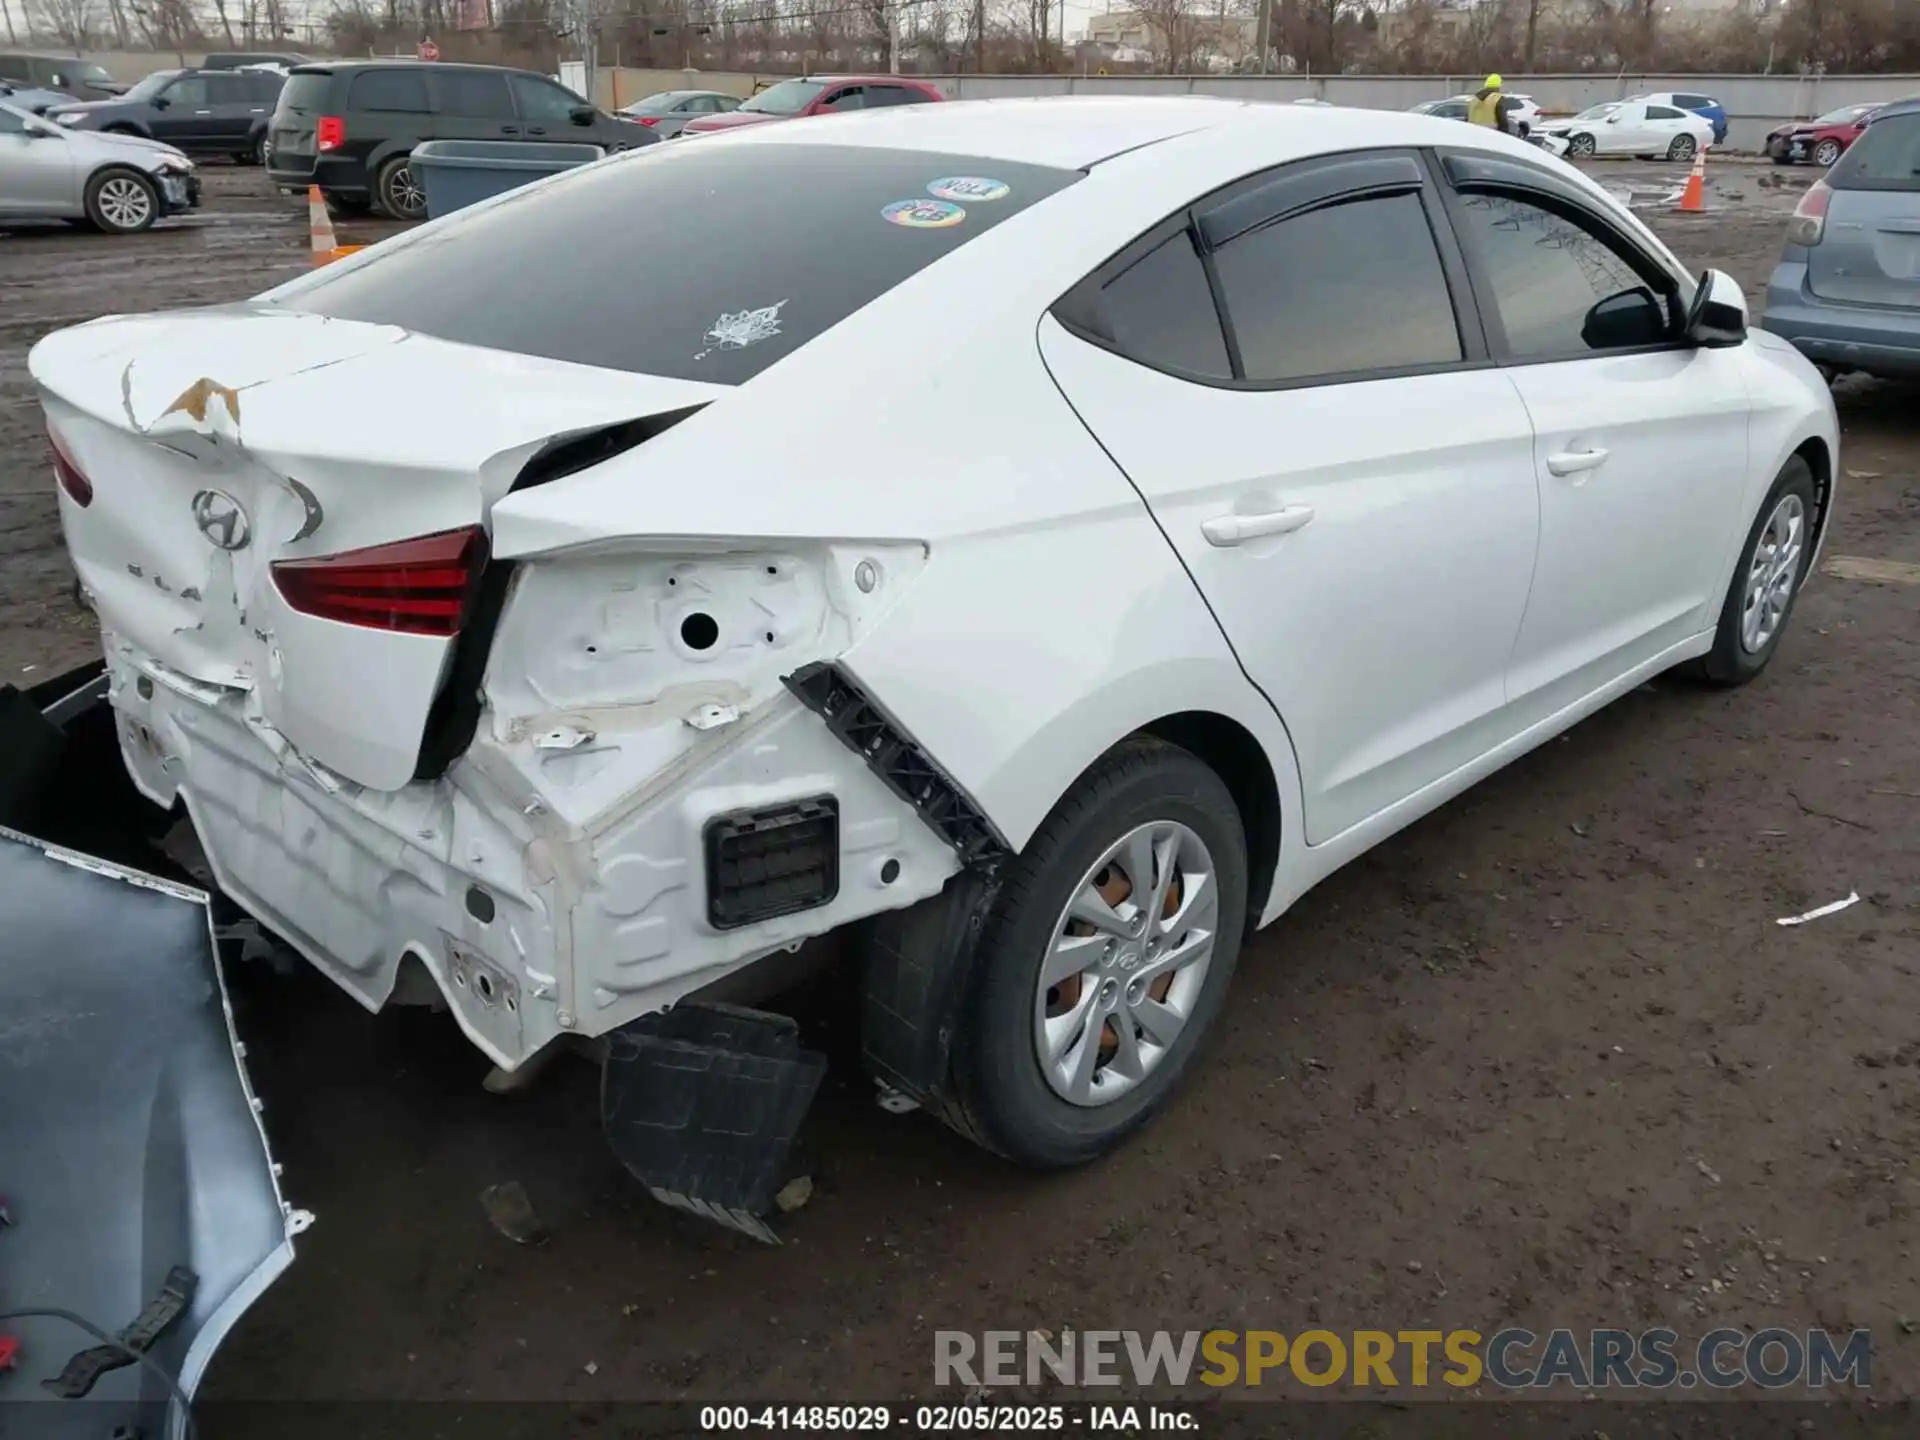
{"x": 7, "y": 10}
{"x": 893, "y": 37}
{"x": 1263, "y": 32}
{"x": 980, "y": 34}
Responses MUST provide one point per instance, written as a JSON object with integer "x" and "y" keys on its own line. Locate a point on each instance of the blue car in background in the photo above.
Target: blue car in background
{"x": 1846, "y": 292}
{"x": 1703, "y": 105}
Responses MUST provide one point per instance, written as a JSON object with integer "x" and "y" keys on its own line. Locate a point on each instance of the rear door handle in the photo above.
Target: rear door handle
{"x": 1572, "y": 462}
{"x": 1237, "y": 529}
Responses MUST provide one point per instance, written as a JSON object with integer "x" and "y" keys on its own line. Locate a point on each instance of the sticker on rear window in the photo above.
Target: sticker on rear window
{"x": 923, "y": 214}
{"x": 741, "y": 328}
{"x": 969, "y": 187}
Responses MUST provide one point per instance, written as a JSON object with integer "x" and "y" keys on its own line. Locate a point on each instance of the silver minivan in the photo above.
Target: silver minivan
{"x": 116, "y": 183}
{"x": 1847, "y": 289}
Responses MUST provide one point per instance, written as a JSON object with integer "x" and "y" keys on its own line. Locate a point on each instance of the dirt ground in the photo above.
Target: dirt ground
{"x": 1544, "y": 1059}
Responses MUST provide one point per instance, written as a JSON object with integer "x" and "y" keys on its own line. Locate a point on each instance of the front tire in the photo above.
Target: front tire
{"x": 1682, "y": 148}
{"x": 1826, "y": 154}
{"x": 1766, "y": 584}
{"x": 1088, "y": 1005}
{"x": 1582, "y": 147}
{"x": 400, "y": 195}
{"x": 122, "y": 202}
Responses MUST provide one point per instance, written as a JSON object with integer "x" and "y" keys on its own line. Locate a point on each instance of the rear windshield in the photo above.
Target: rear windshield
{"x": 696, "y": 260}
{"x": 1885, "y": 157}
{"x": 305, "y": 91}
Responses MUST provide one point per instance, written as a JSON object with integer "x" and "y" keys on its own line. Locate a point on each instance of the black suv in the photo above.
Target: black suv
{"x": 349, "y": 127}
{"x": 204, "y": 112}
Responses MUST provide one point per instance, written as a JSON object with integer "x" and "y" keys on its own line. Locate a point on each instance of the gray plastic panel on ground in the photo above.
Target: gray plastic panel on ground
{"x": 130, "y": 1142}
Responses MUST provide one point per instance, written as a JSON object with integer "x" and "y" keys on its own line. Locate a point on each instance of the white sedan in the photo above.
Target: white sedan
{"x": 1634, "y": 127}
{"x": 1091, "y": 525}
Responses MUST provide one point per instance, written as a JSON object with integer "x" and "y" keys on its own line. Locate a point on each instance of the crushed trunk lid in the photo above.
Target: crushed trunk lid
{"x": 219, "y": 442}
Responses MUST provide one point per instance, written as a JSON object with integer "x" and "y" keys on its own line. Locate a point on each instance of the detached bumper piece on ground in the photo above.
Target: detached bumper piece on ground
{"x": 701, "y": 1103}
{"x": 142, "y": 1194}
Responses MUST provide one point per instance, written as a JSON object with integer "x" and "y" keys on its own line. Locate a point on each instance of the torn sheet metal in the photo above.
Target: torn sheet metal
{"x": 130, "y": 1143}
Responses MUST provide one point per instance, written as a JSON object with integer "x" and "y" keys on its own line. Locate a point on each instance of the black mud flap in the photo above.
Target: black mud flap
{"x": 701, "y": 1104}
{"x": 140, "y": 1190}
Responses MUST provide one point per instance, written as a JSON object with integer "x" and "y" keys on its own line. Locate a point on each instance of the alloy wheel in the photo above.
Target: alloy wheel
{"x": 1126, "y": 963}
{"x": 1581, "y": 145}
{"x": 125, "y": 203}
{"x": 1772, "y": 572}
{"x": 1681, "y": 149}
{"x": 405, "y": 193}
{"x": 1826, "y": 153}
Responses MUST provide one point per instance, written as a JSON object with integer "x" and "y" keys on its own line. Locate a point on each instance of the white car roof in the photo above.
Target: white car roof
{"x": 1076, "y": 131}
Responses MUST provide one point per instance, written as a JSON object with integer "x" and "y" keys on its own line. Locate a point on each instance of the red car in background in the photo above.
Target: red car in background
{"x": 1823, "y": 140}
{"x": 818, "y": 95}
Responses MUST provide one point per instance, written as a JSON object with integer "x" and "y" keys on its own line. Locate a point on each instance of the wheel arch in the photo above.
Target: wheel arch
{"x": 1232, "y": 752}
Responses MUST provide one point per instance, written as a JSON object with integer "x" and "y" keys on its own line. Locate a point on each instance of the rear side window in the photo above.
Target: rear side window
{"x": 1350, "y": 287}
{"x": 1885, "y": 157}
{"x": 1160, "y": 311}
{"x": 1560, "y": 290}
{"x": 1693, "y": 102}
{"x": 477, "y": 94}
{"x": 401, "y": 90}
{"x": 878, "y": 95}
{"x": 306, "y": 94}
{"x": 559, "y": 261}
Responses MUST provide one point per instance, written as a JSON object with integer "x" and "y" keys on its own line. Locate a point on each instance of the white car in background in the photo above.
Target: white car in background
{"x": 1633, "y": 127}
{"x": 1526, "y": 112}
{"x": 1277, "y": 484}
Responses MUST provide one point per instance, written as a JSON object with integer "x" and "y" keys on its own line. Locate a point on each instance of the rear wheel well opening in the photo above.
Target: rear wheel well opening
{"x": 1231, "y": 752}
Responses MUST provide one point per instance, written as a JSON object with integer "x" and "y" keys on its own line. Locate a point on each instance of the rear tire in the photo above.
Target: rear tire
{"x": 1766, "y": 583}
{"x": 255, "y": 153}
{"x": 398, "y": 192}
{"x": 1682, "y": 148}
{"x": 1025, "y": 1050}
{"x": 122, "y": 202}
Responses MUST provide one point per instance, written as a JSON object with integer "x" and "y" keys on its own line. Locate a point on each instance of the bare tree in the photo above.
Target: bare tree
{"x": 71, "y": 22}
{"x": 1176, "y": 29}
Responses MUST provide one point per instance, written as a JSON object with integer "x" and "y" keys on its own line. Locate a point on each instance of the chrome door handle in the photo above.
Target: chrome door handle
{"x": 1572, "y": 462}
{"x": 1236, "y": 529}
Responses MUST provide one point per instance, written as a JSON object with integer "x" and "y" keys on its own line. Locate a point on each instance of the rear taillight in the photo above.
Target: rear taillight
{"x": 79, "y": 489}
{"x": 1809, "y": 221}
{"x": 330, "y": 133}
{"x": 420, "y": 586}
{"x": 648, "y": 120}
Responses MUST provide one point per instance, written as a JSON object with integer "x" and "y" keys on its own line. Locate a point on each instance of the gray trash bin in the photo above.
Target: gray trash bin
{"x": 458, "y": 173}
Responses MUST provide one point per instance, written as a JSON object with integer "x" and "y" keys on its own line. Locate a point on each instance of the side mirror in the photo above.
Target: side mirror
{"x": 1717, "y": 318}
{"x": 583, "y": 114}
{"x": 160, "y": 102}
{"x": 1626, "y": 320}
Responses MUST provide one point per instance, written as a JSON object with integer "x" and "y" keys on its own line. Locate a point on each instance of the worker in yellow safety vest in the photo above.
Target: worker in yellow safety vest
{"x": 1491, "y": 108}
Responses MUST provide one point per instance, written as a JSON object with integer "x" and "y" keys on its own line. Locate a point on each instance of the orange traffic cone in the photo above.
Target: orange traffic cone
{"x": 1693, "y": 199}
{"x": 326, "y": 246}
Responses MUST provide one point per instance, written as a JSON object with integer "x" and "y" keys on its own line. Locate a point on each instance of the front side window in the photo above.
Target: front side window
{"x": 189, "y": 93}
{"x": 1665, "y": 112}
{"x": 1560, "y": 290}
{"x": 851, "y": 98}
{"x": 850, "y": 233}
{"x": 543, "y": 100}
{"x": 1351, "y": 287}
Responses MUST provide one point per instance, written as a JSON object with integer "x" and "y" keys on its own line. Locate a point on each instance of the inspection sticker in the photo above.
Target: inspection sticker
{"x": 969, "y": 187}
{"x": 923, "y": 214}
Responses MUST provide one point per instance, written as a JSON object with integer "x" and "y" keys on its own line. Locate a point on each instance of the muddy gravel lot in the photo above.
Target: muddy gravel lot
{"x": 1544, "y": 1059}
